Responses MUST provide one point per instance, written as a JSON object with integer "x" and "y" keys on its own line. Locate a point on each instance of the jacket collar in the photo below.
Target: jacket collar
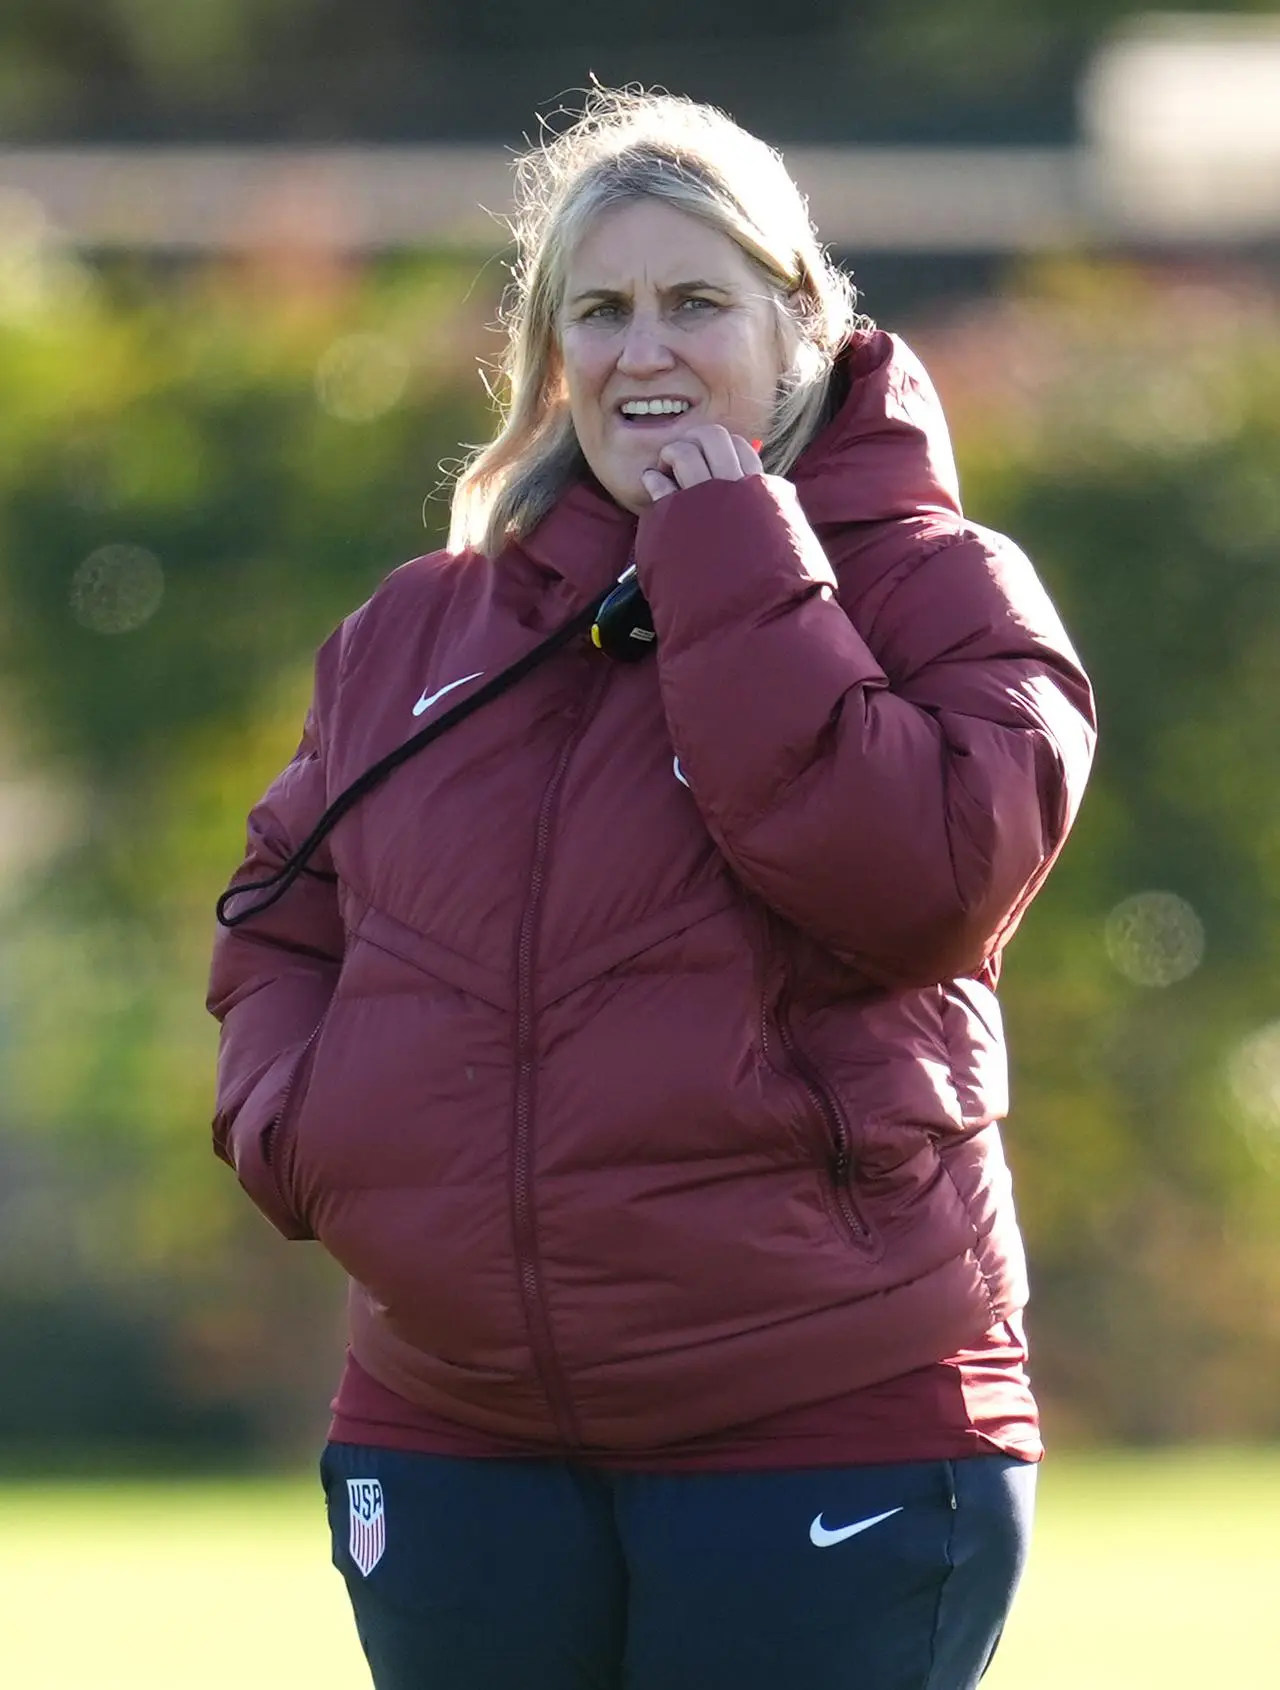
{"x": 586, "y": 538}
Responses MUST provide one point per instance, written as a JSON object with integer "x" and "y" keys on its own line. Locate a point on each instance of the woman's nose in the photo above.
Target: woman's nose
{"x": 644, "y": 348}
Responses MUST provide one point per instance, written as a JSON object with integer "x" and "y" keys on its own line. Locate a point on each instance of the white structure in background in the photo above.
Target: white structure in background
{"x": 1180, "y": 116}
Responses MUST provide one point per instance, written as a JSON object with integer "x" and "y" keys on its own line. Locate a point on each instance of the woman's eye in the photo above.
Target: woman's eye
{"x": 694, "y": 304}
{"x": 606, "y": 308}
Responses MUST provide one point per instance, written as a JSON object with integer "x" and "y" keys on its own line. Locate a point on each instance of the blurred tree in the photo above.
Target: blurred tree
{"x": 194, "y": 488}
{"x": 390, "y": 69}
{"x": 1126, "y": 427}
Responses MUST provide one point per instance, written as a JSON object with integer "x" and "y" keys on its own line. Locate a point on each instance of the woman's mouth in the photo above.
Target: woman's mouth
{"x": 653, "y": 413}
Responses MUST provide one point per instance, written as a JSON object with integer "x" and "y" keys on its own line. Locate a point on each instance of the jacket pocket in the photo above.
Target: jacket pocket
{"x": 828, "y": 1130}
{"x": 245, "y": 1139}
{"x": 280, "y": 1137}
{"x": 836, "y": 1164}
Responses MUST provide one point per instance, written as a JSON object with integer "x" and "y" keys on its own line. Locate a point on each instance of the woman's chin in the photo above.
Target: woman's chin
{"x": 622, "y": 481}
{"x": 628, "y": 493}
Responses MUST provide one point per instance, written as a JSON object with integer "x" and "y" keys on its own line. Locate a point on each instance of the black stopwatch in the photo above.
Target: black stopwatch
{"x": 623, "y": 627}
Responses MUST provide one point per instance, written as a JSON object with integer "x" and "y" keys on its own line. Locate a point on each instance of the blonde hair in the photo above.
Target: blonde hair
{"x": 629, "y": 145}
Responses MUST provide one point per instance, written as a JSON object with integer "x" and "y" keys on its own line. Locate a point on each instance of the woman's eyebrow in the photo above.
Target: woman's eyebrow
{"x": 696, "y": 285}
{"x": 596, "y": 293}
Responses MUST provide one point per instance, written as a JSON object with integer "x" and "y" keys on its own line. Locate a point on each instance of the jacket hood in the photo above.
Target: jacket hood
{"x": 885, "y": 455}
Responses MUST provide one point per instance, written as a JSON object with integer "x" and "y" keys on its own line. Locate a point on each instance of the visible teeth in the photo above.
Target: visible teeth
{"x": 654, "y": 407}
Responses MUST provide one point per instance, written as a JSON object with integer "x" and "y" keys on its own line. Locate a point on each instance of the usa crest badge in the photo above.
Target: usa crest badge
{"x": 368, "y": 1536}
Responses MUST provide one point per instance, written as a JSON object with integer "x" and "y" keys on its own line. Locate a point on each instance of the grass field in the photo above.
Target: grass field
{"x": 1149, "y": 1573}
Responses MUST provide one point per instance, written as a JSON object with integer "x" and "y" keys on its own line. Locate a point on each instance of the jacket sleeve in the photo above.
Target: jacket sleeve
{"x": 898, "y": 793}
{"x": 273, "y": 977}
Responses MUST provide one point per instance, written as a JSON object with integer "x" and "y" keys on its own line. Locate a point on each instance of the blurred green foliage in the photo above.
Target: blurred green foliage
{"x": 197, "y": 480}
{"x": 196, "y": 484}
{"x": 1125, "y": 427}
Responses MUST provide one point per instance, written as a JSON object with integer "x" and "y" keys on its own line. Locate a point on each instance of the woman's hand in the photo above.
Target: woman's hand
{"x": 708, "y": 453}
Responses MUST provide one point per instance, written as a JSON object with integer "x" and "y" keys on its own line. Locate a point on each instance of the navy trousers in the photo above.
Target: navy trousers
{"x": 533, "y": 1575}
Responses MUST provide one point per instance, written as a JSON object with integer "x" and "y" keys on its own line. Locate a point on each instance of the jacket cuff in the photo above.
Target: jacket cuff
{"x": 727, "y": 551}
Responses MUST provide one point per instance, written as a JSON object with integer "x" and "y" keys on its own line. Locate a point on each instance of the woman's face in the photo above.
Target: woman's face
{"x": 666, "y": 324}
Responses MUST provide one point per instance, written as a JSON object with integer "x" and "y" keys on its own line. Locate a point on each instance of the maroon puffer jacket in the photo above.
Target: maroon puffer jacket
{"x": 640, "y": 1067}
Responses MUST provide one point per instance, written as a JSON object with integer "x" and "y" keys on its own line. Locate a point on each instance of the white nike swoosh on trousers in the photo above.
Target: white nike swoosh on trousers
{"x": 427, "y": 700}
{"x": 823, "y": 1538}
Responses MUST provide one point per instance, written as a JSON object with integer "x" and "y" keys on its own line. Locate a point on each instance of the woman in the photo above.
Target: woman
{"x": 634, "y": 1048}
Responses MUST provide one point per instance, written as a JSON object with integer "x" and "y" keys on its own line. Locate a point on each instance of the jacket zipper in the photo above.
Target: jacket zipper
{"x": 827, "y": 1109}
{"x": 524, "y": 1219}
{"x": 282, "y": 1113}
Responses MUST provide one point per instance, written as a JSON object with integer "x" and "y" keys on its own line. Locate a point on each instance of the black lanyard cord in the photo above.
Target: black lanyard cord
{"x": 277, "y": 884}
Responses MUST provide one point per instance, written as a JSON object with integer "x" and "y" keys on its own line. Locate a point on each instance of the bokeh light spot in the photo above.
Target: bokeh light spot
{"x": 1155, "y": 939}
{"x": 1253, "y": 1073}
{"x": 116, "y": 589}
{"x": 36, "y": 270}
{"x": 361, "y": 377}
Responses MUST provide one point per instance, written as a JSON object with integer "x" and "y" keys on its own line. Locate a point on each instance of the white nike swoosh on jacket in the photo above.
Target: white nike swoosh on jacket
{"x": 428, "y": 699}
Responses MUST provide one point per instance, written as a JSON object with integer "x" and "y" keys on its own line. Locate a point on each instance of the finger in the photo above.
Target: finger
{"x": 748, "y": 455}
{"x": 657, "y": 485}
{"x": 718, "y": 449}
{"x": 684, "y": 460}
